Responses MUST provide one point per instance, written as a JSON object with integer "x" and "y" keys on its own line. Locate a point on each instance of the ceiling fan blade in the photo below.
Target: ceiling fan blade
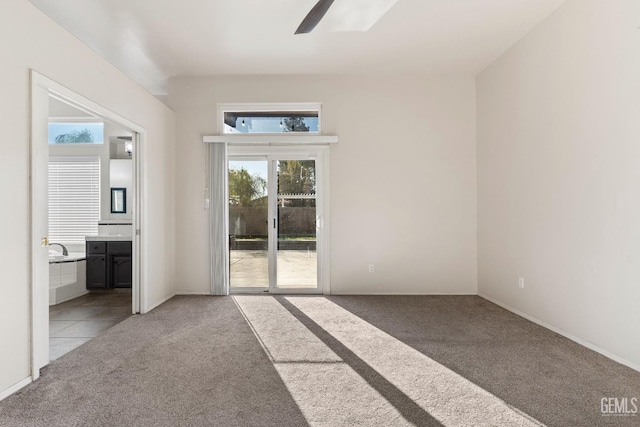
{"x": 315, "y": 15}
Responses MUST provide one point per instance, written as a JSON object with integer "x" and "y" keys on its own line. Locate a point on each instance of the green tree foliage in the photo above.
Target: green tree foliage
{"x": 77, "y": 136}
{"x": 295, "y": 124}
{"x": 297, "y": 177}
{"x": 246, "y": 189}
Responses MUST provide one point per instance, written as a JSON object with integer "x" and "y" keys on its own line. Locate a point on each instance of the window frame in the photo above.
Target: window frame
{"x": 73, "y": 120}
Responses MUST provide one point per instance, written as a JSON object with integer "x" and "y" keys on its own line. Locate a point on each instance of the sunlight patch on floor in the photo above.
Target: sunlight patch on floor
{"x": 284, "y": 338}
{"x": 326, "y": 389}
{"x": 445, "y": 395}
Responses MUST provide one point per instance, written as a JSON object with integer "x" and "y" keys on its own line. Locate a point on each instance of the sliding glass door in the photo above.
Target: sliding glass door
{"x": 273, "y": 223}
{"x": 296, "y": 259}
{"x": 248, "y": 224}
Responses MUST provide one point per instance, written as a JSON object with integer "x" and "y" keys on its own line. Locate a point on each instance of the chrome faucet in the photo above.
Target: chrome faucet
{"x": 65, "y": 252}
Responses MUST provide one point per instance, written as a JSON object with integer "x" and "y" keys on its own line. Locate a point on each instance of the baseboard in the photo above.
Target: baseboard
{"x": 195, "y": 293}
{"x": 159, "y": 303}
{"x": 350, "y": 293}
{"x": 403, "y": 294}
{"x": 17, "y": 386}
{"x": 565, "y": 334}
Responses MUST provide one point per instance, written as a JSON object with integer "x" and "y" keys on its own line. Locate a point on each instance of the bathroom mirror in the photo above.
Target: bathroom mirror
{"x": 118, "y": 200}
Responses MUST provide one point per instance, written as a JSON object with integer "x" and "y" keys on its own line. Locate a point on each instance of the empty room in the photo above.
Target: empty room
{"x": 320, "y": 212}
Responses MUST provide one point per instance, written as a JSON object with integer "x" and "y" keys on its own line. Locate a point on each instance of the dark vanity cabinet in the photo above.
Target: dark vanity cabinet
{"x": 109, "y": 265}
{"x": 119, "y": 264}
{"x": 97, "y": 265}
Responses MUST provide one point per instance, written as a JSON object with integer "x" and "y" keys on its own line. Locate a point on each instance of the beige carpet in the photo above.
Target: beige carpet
{"x": 295, "y": 361}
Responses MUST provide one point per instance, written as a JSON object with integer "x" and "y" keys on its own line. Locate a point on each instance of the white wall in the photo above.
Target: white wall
{"x": 559, "y": 175}
{"x": 123, "y": 170}
{"x": 28, "y": 39}
{"x": 403, "y": 177}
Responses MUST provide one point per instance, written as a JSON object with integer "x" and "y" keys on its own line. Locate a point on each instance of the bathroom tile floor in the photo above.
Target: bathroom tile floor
{"x": 73, "y": 323}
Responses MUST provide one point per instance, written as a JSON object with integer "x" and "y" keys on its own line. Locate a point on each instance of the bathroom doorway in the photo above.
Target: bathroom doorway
{"x": 113, "y": 151}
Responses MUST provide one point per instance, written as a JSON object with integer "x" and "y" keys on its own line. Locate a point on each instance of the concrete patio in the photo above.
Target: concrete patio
{"x": 296, "y": 269}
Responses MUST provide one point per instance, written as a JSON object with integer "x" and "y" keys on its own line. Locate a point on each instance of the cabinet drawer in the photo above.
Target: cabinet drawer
{"x": 96, "y": 248}
{"x": 123, "y": 248}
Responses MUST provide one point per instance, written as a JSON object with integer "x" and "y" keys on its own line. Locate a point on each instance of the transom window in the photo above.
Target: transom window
{"x": 76, "y": 133}
{"x": 270, "y": 118}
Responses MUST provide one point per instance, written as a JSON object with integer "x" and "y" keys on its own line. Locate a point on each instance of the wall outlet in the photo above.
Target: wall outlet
{"x": 372, "y": 268}
{"x": 521, "y": 282}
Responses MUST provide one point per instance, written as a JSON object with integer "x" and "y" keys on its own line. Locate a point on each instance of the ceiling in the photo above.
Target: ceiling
{"x": 152, "y": 41}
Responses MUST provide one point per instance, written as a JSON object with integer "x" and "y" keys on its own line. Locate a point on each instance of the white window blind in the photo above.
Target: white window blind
{"x": 74, "y": 198}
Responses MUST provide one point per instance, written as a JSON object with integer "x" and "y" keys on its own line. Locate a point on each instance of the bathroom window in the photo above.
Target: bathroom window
{"x": 76, "y": 133}
{"x": 74, "y": 198}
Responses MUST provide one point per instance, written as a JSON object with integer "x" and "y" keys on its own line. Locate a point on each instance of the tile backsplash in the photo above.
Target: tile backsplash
{"x": 114, "y": 229}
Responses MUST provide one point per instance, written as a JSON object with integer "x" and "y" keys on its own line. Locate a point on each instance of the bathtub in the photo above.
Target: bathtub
{"x": 67, "y": 277}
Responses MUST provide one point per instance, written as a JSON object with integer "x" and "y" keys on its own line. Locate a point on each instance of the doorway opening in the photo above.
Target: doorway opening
{"x": 273, "y": 223}
{"x": 85, "y": 255}
{"x": 277, "y": 233}
{"x": 267, "y": 191}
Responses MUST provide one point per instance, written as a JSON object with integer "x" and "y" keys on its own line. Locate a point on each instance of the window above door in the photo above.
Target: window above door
{"x": 267, "y": 119}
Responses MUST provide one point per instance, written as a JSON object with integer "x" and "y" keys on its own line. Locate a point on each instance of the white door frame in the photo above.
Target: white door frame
{"x": 319, "y": 153}
{"x": 41, "y": 88}
{"x": 253, "y": 289}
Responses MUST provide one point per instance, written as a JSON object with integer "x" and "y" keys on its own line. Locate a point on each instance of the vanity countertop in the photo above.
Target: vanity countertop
{"x": 115, "y": 222}
{"x": 109, "y": 238}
